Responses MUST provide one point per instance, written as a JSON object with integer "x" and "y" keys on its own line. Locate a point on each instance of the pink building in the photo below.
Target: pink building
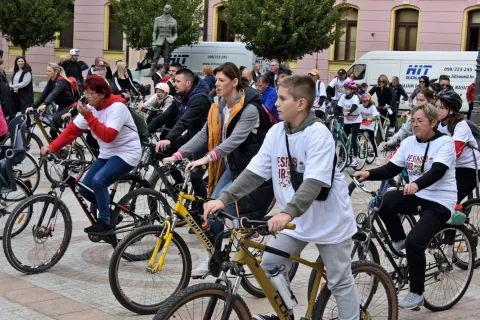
{"x": 427, "y": 25}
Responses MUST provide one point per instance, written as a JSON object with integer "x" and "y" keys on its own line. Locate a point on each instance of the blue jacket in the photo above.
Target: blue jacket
{"x": 269, "y": 99}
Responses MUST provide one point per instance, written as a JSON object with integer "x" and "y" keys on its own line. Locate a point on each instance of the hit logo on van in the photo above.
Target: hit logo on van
{"x": 415, "y": 71}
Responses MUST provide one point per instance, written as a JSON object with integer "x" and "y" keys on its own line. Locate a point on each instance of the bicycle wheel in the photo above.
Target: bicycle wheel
{"x": 444, "y": 284}
{"x": 8, "y": 201}
{"x": 29, "y": 171}
{"x": 127, "y": 184}
{"x": 202, "y": 301}
{"x": 362, "y": 151}
{"x": 138, "y": 208}
{"x": 370, "y": 150}
{"x": 34, "y": 145}
{"x": 138, "y": 289}
{"x": 376, "y": 292}
{"x": 472, "y": 210}
{"x": 31, "y": 246}
{"x": 53, "y": 172}
{"x": 342, "y": 155}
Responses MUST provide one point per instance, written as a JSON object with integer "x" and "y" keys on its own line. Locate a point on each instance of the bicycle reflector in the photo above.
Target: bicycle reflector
{"x": 361, "y": 218}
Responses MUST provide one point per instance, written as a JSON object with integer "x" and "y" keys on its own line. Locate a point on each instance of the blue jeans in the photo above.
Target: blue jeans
{"x": 216, "y": 226}
{"x": 101, "y": 175}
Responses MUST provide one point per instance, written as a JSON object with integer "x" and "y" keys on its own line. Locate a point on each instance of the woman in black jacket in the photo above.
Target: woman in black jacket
{"x": 386, "y": 99}
{"x": 58, "y": 90}
{"x": 123, "y": 80}
{"x": 6, "y": 100}
{"x": 22, "y": 85}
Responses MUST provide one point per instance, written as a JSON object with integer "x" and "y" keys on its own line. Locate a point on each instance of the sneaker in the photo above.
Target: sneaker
{"x": 448, "y": 251}
{"x": 377, "y": 161}
{"x": 398, "y": 245}
{"x": 265, "y": 317}
{"x": 98, "y": 227}
{"x": 354, "y": 163}
{"x": 202, "y": 269}
{"x": 411, "y": 301}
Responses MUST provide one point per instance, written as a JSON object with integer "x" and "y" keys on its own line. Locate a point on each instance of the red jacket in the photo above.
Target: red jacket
{"x": 471, "y": 92}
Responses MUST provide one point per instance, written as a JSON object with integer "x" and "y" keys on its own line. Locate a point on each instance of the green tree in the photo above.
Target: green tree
{"x": 31, "y": 23}
{"x": 284, "y": 29}
{"x": 135, "y": 18}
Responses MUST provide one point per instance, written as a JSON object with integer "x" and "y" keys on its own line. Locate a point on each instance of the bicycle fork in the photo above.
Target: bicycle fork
{"x": 165, "y": 237}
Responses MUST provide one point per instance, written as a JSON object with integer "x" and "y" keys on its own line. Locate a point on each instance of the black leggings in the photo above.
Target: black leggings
{"x": 353, "y": 128}
{"x": 466, "y": 181}
{"x": 371, "y": 137}
{"x": 57, "y": 122}
{"x": 433, "y": 217}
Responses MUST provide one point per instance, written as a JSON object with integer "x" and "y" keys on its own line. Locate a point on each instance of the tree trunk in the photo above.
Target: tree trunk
{"x": 23, "y": 51}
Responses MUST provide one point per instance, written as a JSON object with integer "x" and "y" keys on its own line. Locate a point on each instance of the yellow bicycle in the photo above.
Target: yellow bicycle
{"x": 216, "y": 300}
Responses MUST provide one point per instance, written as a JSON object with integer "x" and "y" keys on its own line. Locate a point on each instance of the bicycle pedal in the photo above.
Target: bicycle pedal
{"x": 201, "y": 277}
{"x": 416, "y": 309}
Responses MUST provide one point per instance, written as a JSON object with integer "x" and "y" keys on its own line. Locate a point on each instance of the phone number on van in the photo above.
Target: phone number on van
{"x": 457, "y": 69}
{"x": 211, "y": 56}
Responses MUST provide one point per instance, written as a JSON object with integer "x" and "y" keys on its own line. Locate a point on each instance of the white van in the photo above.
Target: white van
{"x": 196, "y": 56}
{"x": 409, "y": 66}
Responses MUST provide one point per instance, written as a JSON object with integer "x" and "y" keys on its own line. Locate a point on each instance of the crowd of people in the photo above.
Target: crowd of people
{"x": 226, "y": 121}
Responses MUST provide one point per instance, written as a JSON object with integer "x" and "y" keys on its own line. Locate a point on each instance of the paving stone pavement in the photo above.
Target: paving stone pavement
{"x": 77, "y": 287}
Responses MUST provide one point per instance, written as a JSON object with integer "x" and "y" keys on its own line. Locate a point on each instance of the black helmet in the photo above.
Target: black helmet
{"x": 451, "y": 98}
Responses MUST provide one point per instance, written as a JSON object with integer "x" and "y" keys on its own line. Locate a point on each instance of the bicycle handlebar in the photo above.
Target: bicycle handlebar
{"x": 243, "y": 221}
{"x": 360, "y": 185}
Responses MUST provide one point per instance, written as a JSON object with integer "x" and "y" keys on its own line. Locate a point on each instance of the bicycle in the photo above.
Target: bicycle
{"x": 343, "y": 145}
{"x": 449, "y": 248}
{"x": 125, "y": 276}
{"x": 222, "y": 300}
{"x": 51, "y": 221}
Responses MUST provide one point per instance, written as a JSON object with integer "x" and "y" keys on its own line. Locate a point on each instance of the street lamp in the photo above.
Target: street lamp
{"x": 476, "y": 107}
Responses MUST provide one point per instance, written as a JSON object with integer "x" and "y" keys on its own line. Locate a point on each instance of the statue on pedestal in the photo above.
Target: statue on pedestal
{"x": 164, "y": 35}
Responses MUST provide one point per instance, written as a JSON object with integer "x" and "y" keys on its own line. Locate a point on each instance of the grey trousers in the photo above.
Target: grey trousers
{"x": 336, "y": 258}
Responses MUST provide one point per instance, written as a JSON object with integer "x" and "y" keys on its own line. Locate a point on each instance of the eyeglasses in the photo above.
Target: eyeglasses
{"x": 89, "y": 94}
{"x": 381, "y": 81}
{"x": 273, "y": 65}
{"x": 421, "y": 81}
{"x": 444, "y": 85}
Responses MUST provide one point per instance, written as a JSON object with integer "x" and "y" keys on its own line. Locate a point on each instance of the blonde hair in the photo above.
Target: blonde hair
{"x": 384, "y": 78}
{"x": 56, "y": 68}
{"x": 122, "y": 70}
{"x": 429, "y": 109}
{"x": 62, "y": 73}
{"x": 207, "y": 70}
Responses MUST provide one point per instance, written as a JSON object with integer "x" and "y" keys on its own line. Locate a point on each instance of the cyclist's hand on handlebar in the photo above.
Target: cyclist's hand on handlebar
{"x": 410, "y": 189}
{"x": 198, "y": 163}
{"x": 279, "y": 222}
{"x": 162, "y": 145}
{"x": 41, "y": 108}
{"x": 66, "y": 115}
{"x": 44, "y": 150}
{"x": 29, "y": 109}
{"x": 168, "y": 160}
{"x": 361, "y": 175}
{"x": 212, "y": 206}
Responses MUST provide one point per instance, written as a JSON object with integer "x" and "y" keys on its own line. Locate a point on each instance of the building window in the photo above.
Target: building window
{"x": 115, "y": 36}
{"x": 66, "y": 35}
{"x": 406, "y": 30}
{"x": 473, "y": 31}
{"x": 346, "y": 43}
{"x": 224, "y": 34}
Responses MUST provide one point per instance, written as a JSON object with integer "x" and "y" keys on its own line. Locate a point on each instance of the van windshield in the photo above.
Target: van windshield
{"x": 358, "y": 71}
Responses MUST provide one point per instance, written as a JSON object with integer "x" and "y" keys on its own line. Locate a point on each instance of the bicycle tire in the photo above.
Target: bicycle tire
{"x": 362, "y": 151}
{"x": 370, "y": 150}
{"x": 213, "y": 290}
{"x": 80, "y": 156}
{"x": 13, "y": 258}
{"x": 474, "y": 217}
{"x": 469, "y": 243}
{"x": 342, "y": 155}
{"x": 152, "y": 214}
{"x": 382, "y": 278}
{"x": 118, "y": 257}
{"x": 9, "y": 201}
{"x": 134, "y": 181}
{"x": 33, "y": 176}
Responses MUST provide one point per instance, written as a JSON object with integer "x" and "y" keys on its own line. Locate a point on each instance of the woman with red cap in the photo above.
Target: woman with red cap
{"x": 112, "y": 125}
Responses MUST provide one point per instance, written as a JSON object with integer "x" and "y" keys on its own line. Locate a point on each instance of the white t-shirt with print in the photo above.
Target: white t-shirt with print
{"x": 464, "y": 134}
{"x": 346, "y": 104}
{"x": 321, "y": 91}
{"x": 368, "y": 113}
{"x": 127, "y": 143}
{"x": 410, "y": 156}
{"x": 337, "y": 84}
{"x": 312, "y": 150}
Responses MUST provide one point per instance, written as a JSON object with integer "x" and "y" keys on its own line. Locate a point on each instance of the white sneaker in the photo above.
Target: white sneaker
{"x": 411, "y": 301}
{"x": 398, "y": 245}
{"x": 354, "y": 163}
{"x": 377, "y": 161}
{"x": 202, "y": 269}
{"x": 448, "y": 251}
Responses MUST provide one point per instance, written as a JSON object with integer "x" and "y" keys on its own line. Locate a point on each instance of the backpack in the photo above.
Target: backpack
{"x": 475, "y": 131}
{"x": 141, "y": 126}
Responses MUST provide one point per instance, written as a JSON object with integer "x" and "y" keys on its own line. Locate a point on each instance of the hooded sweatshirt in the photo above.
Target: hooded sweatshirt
{"x": 113, "y": 127}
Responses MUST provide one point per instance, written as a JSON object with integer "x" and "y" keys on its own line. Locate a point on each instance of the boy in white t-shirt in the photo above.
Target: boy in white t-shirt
{"x": 350, "y": 103}
{"x": 330, "y": 224}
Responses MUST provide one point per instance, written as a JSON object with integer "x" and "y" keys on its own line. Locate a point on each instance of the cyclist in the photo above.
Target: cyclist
{"x": 369, "y": 113}
{"x": 234, "y": 132}
{"x": 350, "y": 102}
{"x": 311, "y": 148}
{"x": 73, "y": 67}
{"x": 58, "y": 90}
{"x": 123, "y": 81}
{"x": 453, "y": 124}
{"x": 387, "y": 99}
{"x": 335, "y": 89}
{"x": 168, "y": 110}
{"x": 429, "y": 158}
{"x": 112, "y": 125}
{"x": 423, "y": 82}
